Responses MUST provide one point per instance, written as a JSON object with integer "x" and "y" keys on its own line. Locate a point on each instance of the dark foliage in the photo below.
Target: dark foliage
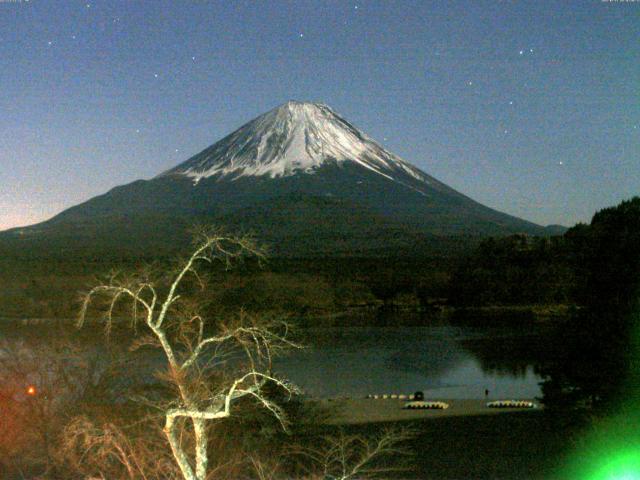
{"x": 594, "y": 269}
{"x": 593, "y": 361}
{"x": 514, "y": 270}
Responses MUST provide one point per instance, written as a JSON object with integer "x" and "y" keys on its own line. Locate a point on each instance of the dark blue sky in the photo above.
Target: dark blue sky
{"x": 532, "y": 108}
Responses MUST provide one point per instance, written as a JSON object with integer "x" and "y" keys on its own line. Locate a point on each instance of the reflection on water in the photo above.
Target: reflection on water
{"x": 443, "y": 361}
{"x": 511, "y": 356}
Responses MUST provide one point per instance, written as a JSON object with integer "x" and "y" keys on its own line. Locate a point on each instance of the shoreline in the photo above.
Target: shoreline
{"x": 362, "y": 411}
{"x": 406, "y": 316}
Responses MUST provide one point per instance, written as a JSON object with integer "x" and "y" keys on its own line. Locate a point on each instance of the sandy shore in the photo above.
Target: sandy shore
{"x": 354, "y": 411}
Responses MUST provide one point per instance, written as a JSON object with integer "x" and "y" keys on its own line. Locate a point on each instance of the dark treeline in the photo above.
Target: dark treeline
{"x": 48, "y": 287}
{"x": 515, "y": 270}
{"x": 592, "y": 269}
{"x": 44, "y": 282}
{"x": 596, "y": 361}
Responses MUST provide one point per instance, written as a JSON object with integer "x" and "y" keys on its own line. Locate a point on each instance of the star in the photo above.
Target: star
{"x": 49, "y": 43}
{"x": 355, "y": 7}
{"x": 560, "y": 163}
{"x": 511, "y": 102}
{"x": 506, "y": 131}
{"x": 155, "y": 75}
{"x": 531, "y": 50}
{"x": 521, "y": 52}
{"x": 88, "y": 5}
{"x": 469, "y": 83}
{"x": 301, "y": 35}
{"x": 177, "y": 150}
{"x": 193, "y": 58}
{"x": 137, "y": 130}
{"x": 73, "y": 36}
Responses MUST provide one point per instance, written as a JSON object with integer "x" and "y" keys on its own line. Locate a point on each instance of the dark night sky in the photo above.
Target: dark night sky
{"x": 532, "y": 108}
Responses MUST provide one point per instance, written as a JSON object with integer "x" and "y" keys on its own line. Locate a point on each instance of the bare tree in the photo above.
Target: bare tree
{"x": 202, "y": 359}
{"x": 347, "y": 457}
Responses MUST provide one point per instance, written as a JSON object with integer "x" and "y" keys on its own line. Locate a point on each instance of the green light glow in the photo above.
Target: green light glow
{"x": 624, "y": 466}
{"x": 611, "y": 450}
{"x": 607, "y": 462}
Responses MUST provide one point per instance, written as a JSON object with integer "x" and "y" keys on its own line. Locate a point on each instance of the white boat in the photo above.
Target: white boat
{"x": 423, "y": 405}
{"x": 511, "y": 404}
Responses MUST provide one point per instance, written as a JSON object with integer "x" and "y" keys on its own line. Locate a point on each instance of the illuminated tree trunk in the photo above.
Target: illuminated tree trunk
{"x": 257, "y": 341}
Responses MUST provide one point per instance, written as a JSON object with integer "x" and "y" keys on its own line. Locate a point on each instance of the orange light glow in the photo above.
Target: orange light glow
{"x": 31, "y": 390}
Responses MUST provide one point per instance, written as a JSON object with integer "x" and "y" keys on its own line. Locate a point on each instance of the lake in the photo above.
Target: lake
{"x": 444, "y": 361}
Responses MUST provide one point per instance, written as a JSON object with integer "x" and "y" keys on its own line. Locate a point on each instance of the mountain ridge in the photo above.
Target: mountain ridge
{"x": 296, "y": 150}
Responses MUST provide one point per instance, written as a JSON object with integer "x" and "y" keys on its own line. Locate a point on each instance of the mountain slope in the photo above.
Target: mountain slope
{"x": 299, "y": 175}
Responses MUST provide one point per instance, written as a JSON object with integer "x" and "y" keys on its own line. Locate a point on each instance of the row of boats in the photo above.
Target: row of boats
{"x": 424, "y": 405}
{"x": 418, "y": 402}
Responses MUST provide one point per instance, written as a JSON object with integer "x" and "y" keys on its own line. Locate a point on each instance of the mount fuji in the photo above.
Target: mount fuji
{"x": 300, "y": 177}
{"x": 297, "y": 138}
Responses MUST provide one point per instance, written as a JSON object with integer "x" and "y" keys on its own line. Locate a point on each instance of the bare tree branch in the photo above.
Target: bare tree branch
{"x": 345, "y": 457}
{"x": 188, "y": 366}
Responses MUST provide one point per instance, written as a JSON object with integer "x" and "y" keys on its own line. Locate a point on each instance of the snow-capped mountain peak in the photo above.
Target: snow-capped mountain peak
{"x": 301, "y": 177}
{"x": 296, "y": 137}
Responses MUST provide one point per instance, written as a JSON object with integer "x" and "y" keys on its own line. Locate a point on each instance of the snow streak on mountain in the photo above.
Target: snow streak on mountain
{"x": 296, "y": 138}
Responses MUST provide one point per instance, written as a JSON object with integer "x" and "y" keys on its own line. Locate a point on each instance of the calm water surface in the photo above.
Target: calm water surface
{"x": 442, "y": 361}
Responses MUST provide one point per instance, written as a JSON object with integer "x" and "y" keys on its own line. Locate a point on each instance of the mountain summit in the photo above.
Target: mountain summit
{"x": 294, "y": 137}
{"x": 301, "y": 178}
